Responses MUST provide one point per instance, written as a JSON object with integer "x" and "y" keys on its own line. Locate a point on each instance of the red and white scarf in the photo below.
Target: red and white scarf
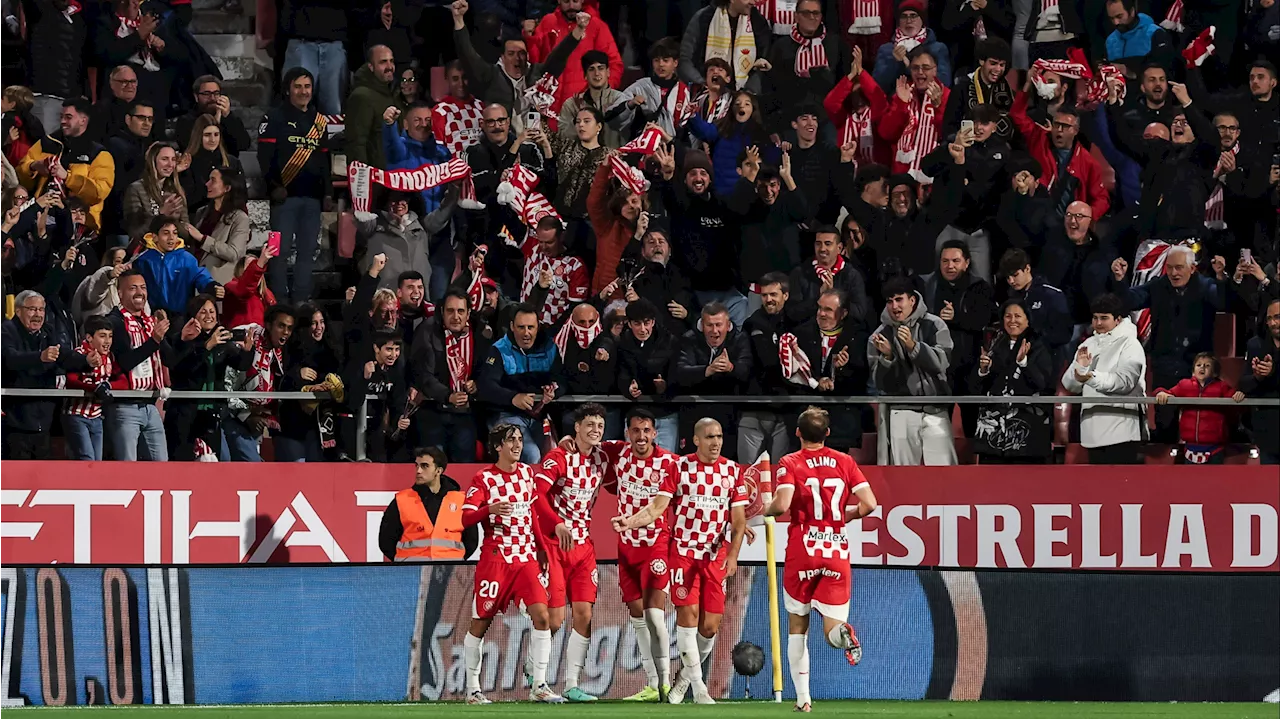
{"x": 72, "y": 8}
{"x": 829, "y": 342}
{"x": 919, "y": 137}
{"x": 582, "y": 336}
{"x": 517, "y": 191}
{"x": 857, "y": 128}
{"x": 629, "y": 175}
{"x": 457, "y": 123}
{"x": 794, "y": 362}
{"x": 1200, "y": 48}
{"x": 679, "y": 105}
{"x": 148, "y": 374}
{"x": 1173, "y": 19}
{"x": 144, "y": 56}
{"x": 911, "y": 42}
{"x": 782, "y": 13}
{"x": 475, "y": 289}
{"x": 1148, "y": 264}
{"x": 361, "y": 178}
{"x": 825, "y": 274}
{"x": 712, "y": 113}
{"x": 1075, "y": 66}
{"x": 1214, "y": 215}
{"x": 647, "y": 143}
{"x": 458, "y": 349}
{"x": 542, "y": 95}
{"x": 95, "y": 376}
{"x": 811, "y": 53}
{"x": 979, "y": 25}
{"x": 866, "y": 17}
{"x": 1096, "y": 92}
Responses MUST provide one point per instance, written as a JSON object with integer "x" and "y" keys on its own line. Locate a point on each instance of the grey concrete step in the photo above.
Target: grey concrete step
{"x": 219, "y": 22}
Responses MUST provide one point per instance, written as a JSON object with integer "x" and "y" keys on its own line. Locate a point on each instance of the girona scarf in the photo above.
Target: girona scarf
{"x": 458, "y": 348}
{"x": 811, "y": 53}
{"x": 148, "y": 374}
{"x": 794, "y": 362}
{"x": 825, "y": 274}
{"x": 361, "y": 178}
{"x": 919, "y": 137}
{"x": 857, "y": 128}
{"x": 582, "y": 336}
{"x": 911, "y": 42}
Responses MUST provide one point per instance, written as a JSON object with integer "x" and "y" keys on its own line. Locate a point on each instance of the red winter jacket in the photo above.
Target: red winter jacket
{"x": 1207, "y": 425}
{"x": 1081, "y": 166}
{"x": 552, "y": 29}
{"x": 244, "y": 304}
{"x": 896, "y": 120}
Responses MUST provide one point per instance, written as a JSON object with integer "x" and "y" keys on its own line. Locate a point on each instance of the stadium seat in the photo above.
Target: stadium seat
{"x": 1076, "y": 454}
{"x": 1231, "y": 370}
{"x": 439, "y": 88}
{"x": 1224, "y": 335}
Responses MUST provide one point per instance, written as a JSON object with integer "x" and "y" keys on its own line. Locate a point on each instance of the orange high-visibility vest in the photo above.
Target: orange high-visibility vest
{"x": 422, "y": 540}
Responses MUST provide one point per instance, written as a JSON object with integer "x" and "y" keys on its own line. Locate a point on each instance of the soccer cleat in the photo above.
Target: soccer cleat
{"x": 577, "y": 695}
{"x": 544, "y": 695}
{"x": 806, "y": 708}
{"x": 702, "y": 696}
{"x": 664, "y": 692}
{"x": 477, "y": 698}
{"x": 647, "y": 694}
{"x": 854, "y": 652}
{"x": 675, "y": 695}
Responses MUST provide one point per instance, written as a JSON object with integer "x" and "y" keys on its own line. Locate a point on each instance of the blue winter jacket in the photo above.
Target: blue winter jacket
{"x": 887, "y": 70}
{"x": 172, "y": 277}
{"x": 725, "y": 150}
{"x": 1135, "y": 42}
{"x": 405, "y": 153}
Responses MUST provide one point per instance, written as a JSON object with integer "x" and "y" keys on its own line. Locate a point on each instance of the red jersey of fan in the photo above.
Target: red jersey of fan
{"x": 703, "y": 495}
{"x": 510, "y": 536}
{"x": 638, "y": 482}
{"x": 824, "y": 482}
{"x": 456, "y": 123}
{"x": 570, "y": 480}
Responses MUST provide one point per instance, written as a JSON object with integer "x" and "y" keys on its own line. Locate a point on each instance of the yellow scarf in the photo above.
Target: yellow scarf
{"x": 738, "y": 49}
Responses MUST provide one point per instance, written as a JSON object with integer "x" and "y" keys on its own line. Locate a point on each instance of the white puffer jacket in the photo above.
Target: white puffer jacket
{"x": 1119, "y": 369}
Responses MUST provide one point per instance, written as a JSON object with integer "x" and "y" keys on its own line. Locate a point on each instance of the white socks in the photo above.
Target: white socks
{"x": 705, "y": 645}
{"x": 643, "y": 643}
{"x": 835, "y": 639}
{"x": 798, "y": 659}
{"x": 471, "y": 650}
{"x": 687, "y": 641}
{"x": 540, "y": 653}
{"x": 660, "y": 646}
{"x": 578, "y": 646}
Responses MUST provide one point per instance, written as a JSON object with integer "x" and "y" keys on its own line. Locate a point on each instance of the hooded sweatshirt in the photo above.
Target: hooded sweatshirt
{"x": 922, "y": 372}
{"x": 1119, "y": 368}
{"x": 172, "y": 277}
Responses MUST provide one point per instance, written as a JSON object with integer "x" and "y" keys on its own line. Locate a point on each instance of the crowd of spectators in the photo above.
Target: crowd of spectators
{"x": 771, "y": 200}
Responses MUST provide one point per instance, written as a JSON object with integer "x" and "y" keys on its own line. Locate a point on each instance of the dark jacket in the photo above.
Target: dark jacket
{"x": 703, "y": 236}
{"x": 974, "y": 303}
{"x": 986, "y": 179}
{"x": 583, "y": 373}
{"x": 369, "y": 99}
{"x": 770, "y": 234}
{"x": 315, "y": 20}
{"x": 489, "y": 82}
{"x": 663, "y": 284}
{"x": 283, "y": 131}
{"x": 813, "y": 169}
{"x": 887, "y": 69}
{"x": 1014, "y": 430}
{"x": 691, "y": 372}
{"x": 693, "y": 46}
{"x": 392, "y": 528}
{"x": 56, "y": 48}
{"x": 153, "y": 85}
{"x": 643, "y": 362}
{"x": 783, "y": 91}
{"x": 802, "y": 305}
{"x": 1181, "y": 320}
{"x": 509, "y": 370}
{"x": 234, "y": 137}
{"x": 958, "y": 21}
{"x": 850, "y": 380}
{"x": 963, "y": 99}
{"x": 1046, "y": 307}
{"x": 763, "y": 331}
{"x": 429, "y": 368}
{"x": 1072, "y": 19}
{"x": 1266, "y": 420}
{"x": 23, "y": 368}
{"x": 1258, "y": 127}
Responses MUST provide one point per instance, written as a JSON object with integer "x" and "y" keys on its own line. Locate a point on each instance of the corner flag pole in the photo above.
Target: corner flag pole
{"x": 771, "y": 563}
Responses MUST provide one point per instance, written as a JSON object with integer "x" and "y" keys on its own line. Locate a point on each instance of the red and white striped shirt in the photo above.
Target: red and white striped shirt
{"x": 108, "y": 371}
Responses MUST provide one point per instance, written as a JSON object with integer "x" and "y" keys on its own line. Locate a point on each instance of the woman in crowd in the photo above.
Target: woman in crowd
{"x": 207, "y": 153}
{"x": 220, "y": 235}
{"x": 192, "y": 428}
{"x": 97, "y": 293}
{"x": 577, "y": 158}
{"x": 247, "y": 295}
{"x": 617, "y": 217}
{"x": 1018, "y": 364}
{"x": 307, "y": 428}
{"x": 408, "y": 88}
{"x": 157, "y": 193}
{"x": 21, "y": 128}
{"x": 740, "y": 128}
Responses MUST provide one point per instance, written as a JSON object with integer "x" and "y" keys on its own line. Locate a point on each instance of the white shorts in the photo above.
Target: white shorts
{"x": 838, "y": 612}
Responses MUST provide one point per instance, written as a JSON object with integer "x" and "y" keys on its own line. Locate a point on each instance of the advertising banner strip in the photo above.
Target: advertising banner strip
{"x": 1140, "y": 518}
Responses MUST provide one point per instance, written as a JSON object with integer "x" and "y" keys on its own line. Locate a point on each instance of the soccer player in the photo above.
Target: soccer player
{"x": 710, "y": 503}
{"x": 825, "y": 490}
{"x": 567, "y": 485}
{"x": 502, "y": 497}
{"x": 639, "y": 467}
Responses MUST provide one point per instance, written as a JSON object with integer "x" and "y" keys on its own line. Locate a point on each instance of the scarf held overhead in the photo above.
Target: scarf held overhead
{"x": 362, "y": 177}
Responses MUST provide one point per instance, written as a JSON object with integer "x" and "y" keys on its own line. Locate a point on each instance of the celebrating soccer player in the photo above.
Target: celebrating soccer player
{"x": 567, "y": 484}
{"x": 502, "y": 496}
{"x": 710, "y": 497}
{"x": 639, "y": 467}
{"x": 824, "y": 490}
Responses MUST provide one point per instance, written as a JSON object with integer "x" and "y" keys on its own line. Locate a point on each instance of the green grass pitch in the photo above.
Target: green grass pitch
{"x": 737, "y": 710}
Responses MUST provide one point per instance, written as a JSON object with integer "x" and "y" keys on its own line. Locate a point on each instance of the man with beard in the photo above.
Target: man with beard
{"x": 761, "y": 428}
{"x": 1128, "y": 116}
{"x": 69, "y": 159}
{"x": 455, "y": 119}
{"x": 967, "y": 304}
{"x": 769, "y": 218}
{"x": 813, "y": 164}
{"x": 1262, "y": 367}
{"x": 661, "y": 283}
{"x": 986, "y": 85}
{"x": 142, "y": 353}
{"x": 832, "y": 342}
{"x": 1136, "y": 38}
{"x": 1256, "y": 109}
{"x": 371, "y": 95}
{"x": 248, "y": 419}
{"x": 647, "y": 366}
{"x": 521, "y": 376}
{"x": 210, "y": 101}
{"x": 442, "y": 367}
{"x": 1067, "y": 169}
{"x": 806, "y": 64}
{"x": 415, "y": 312}
{"x": 593, "y": 36}
{"x": 828, "y": 270}
{"x": 714, "y": 362}
{"x": 981, "y": 157}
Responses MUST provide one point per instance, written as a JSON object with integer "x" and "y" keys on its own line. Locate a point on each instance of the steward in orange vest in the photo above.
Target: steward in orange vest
{"x": 424, "y": 522}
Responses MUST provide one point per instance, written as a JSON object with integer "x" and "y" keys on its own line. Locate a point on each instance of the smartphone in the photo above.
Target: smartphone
{"x": 966, "y": 125}
{"x": 239, "y": 335}
{"x": 1246, "y": 255}
{"x": 532, "y": 119}
{"x": 273, "y": 241}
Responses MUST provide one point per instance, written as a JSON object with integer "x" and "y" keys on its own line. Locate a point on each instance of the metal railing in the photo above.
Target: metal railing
{"x": 883, "y": 403}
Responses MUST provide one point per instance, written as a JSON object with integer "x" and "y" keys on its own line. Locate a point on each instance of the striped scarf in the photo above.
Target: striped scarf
{"x": 1214, "y": 216}
{"x": 712, "y": 113}
{"x": 458, "y": 348}
{"x": 582, "y": 336}
{"x": 95, "y": 376}
{"x": 733, "y": 41}
{"x": 810, "y": 53}
{"x": 794, "y": 362}
{"x": 825, "y": 274}
{"x": 866, "y": 17}
{"x": 911, "y": 42}
{"x": 782, "y": 13}
{"x": 919, "y": 137}
{"x": 148, "y": 374}
{"x": 979, "y": 25}
{"x": 679, "y": 106}
{"x": 829, "y": 342}
{"x": 1173, "y": 19}
{"x": 857, "y": 128}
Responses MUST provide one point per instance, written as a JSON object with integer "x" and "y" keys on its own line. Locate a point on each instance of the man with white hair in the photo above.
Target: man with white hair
{"x": 1182, "y": 304}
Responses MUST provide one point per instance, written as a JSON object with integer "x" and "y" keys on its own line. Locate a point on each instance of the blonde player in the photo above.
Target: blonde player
{"x": 824, "y": 490}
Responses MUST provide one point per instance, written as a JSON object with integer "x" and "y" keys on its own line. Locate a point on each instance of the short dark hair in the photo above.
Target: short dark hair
{"x": 550, "y": 222}
{"x": 667, "y": 47}
{"x": 767, "y": 174}
{"x": 132, "y": 108}
{"x": 711, "y": 309}
{"x": 1013, "y": 260}
{"x": 955, "y": 245}
{"x": 1004, "y": 307}
{"x": 1213, "y": 359}
{"x": 1107, "y": 304}
{"x": 131, "y": 272}
{"x": 436, "y": 454}
{"x": 869, "y": 174}
{"x": 921, "y": 50}
{"x": 384, "y": 337}
{"x": 827, "y": 230}
{"x": 204, "y": 79}
{"x": 814, "y": 424}
{"x": 807, "y": 108}
{"x": 96, "y": 324}
{"x": 641, "y": 310}
{"x": 196, "y": 303}
{"x": 81, "y": 105}
{"x": 590, "y": 409}
{"x": 595, "y": 113}
{"x": 594, "y": 57}
{"x": 159, "y": 221}
{"x": 454, "y": 65}
{"x": 1150, "y": 64}
{"x": 993, "y": 48}
{"x": 291, "y": 76}
{"x": 985, "y": 114}
{"x": 409, "y": 275}
{"x": 642, "y": 413}
{"x": 1128, "y": 5}
{"x": 274, "y": 311}
{"x": 776, "y": 278}
{"x": 1265, "y": 64}
{"x": 458, "y": 294}
{"x": 500, "y": 433}
{"x": 897, "y": 285}
{"x": 841, "y": 296}
{"x": 523, "y": 308}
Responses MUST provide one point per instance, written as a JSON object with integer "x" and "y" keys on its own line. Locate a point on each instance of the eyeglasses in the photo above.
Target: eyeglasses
{"x": 411, "y": 78}
{"x": 125, "y": 82}
{"x": 496, "y": 121}
{"x": 144, "y": 118}
{"x": 32, "y": 310}
{"x": 209, "y": 93}
{"x": 1228, "y": 128}
{"x": 1078, "y": 216}
{"x": 1063, "y": 125}
{"x": 809, "y": 13}
{"x": 1178, "y": 123}
{"x": 922, "y": 68}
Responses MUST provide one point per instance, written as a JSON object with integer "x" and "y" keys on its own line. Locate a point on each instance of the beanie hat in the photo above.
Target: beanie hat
{"x": 695, "y": 159}
{"x": 916, "y": 5}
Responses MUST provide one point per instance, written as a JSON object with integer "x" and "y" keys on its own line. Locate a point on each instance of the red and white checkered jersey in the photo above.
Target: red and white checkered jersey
{"x": 823, "y": 483}
{"x": 639, "y": 481}
{"x": 570, "y": 480}
{"x": 511, "y": 535}
{"x": 569, "y": 282}
{"x": 456, "y": 124}
{"x": 703, "y": 495}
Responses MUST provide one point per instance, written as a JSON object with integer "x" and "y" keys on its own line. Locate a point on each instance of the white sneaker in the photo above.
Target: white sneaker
{"x": 676, "y": 694}
{"x": 477, "y": 698}
{"x": 702, "y": 696}
{"x": 543, "y": 694}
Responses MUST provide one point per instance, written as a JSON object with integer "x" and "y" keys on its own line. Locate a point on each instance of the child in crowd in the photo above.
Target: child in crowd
{"x": 1204, "y": 431}
{"x": 82, "y": 422}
